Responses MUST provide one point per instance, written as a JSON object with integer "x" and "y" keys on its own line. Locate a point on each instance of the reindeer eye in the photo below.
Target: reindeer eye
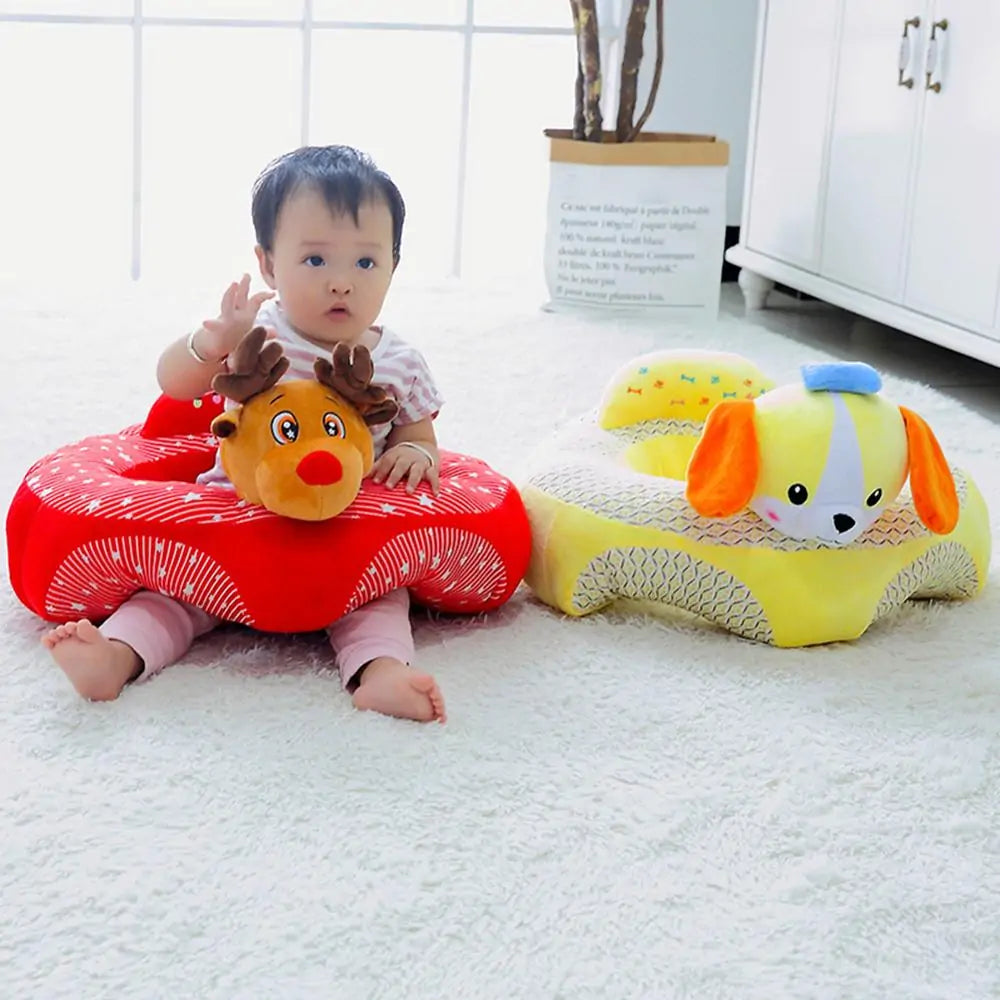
{"x": 333, "y": 425}
{"x": 874, "y": 497}
{"x": 284, "y": 427}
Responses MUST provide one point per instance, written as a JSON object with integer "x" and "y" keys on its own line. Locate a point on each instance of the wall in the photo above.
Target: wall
{"x": 707, "y": 73}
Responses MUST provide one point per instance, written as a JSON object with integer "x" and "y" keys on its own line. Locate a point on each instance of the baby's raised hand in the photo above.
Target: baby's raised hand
{"x": 237, "y": 313}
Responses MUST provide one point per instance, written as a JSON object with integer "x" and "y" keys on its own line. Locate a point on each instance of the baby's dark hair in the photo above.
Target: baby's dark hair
{"x": 344, "y": 176}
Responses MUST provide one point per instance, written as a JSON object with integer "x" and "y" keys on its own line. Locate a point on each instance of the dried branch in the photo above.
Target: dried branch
{"x": 578, "y": 120}
{"x": 635, "y": 30}
{"x": 590, "y": 58}
{"x": 657, "y": 70}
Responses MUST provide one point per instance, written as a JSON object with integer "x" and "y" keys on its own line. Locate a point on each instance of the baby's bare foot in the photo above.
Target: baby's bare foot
{"x": 391, "y": 687}
{"x": 97, "y": 667}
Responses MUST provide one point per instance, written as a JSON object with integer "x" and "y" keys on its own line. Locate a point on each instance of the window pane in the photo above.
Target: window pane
{"x": 405, "y": 114}
{"x": 104, "y": 8}
{"x": 67, "y": 161}
{"x": 507, "y": 185}
{"x": 525, "y": 13}
{"x": 234, "y": 9}
{"x": 208, "y": 132}
{"x": 395, "y": 11}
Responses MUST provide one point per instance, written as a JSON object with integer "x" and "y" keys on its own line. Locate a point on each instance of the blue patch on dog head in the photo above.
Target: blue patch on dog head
{"x": 842, "y": 377}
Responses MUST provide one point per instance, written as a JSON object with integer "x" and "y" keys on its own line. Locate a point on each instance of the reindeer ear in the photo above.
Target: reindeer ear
{"x": 225, "y": 425}
{"x": 724, "y": 467}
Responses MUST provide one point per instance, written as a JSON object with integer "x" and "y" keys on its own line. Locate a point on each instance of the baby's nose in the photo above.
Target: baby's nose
{"x": 340, "y": 284}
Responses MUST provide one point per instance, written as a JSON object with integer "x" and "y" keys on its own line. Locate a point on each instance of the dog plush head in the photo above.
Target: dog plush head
{"x": 299, "y": 448}
{"x": 820, "y": 460}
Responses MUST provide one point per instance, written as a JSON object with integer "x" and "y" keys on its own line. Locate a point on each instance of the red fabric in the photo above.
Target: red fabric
{"x": 168, "y": 417}
{"x": 102, "y": 518}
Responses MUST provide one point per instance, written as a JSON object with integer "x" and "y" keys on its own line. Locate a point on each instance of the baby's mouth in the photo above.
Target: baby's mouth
{"x": 339, "y": 310}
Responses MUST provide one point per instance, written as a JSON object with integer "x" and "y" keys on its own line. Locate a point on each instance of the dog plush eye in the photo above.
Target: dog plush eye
{"x": 798, "y": 494}
{"x": 284, "y": 427}
{"x": 874, "y": 497}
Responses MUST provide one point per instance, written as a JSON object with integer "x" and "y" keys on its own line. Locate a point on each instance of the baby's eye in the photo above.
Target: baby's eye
{"x": 366, "y": 263}
{"x": 314, "y": 260}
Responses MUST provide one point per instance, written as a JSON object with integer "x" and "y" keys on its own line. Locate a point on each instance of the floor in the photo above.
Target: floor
{"x": 856, "y": 338}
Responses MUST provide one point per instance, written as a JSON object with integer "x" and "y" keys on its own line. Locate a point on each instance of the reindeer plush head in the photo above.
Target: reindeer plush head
{"x": 299, "y": 448}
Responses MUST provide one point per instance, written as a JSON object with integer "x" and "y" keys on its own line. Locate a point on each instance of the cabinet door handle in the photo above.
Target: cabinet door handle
{"x": 904, "y": 52}
{"x": 932, "y": 55}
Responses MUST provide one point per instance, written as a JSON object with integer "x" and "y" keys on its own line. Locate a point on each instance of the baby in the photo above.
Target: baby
{"x": 328, "y": 224}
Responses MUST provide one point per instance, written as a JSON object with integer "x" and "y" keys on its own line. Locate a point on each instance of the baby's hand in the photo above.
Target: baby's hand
{"x": 402, "y": 461}
{"x": 236, "y": 317}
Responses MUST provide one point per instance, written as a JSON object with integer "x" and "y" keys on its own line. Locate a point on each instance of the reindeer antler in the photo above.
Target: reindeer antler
{"x": 253, "y": 367}
{"x": 350, "y": 376}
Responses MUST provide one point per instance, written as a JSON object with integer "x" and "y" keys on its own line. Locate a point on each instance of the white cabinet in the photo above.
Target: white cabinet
{"x": 872, "y": 135}
{"x": 956, "y": 203}
{"x": 876, "y": 195}
{"x": 787, "y": 157}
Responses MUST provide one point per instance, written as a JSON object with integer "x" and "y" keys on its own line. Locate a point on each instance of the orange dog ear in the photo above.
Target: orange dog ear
{"x": 931, "y": 481}
{"x": 722, "y": 474}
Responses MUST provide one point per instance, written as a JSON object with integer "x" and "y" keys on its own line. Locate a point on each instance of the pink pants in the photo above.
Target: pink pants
{"x": 161, "y": 631}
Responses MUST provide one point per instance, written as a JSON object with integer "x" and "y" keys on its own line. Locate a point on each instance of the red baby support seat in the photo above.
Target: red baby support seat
{"x": 96, "y": 521}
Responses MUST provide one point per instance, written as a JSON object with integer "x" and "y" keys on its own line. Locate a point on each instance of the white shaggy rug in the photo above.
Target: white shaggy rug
{"x": 617, "y": 808}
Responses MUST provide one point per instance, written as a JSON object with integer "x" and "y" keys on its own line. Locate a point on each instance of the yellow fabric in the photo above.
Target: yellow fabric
{"x": 665, "y": 456}
{"x": 851, "y": 581}
{"x": 669, "y": 386}
{"x": 601, "y": 532}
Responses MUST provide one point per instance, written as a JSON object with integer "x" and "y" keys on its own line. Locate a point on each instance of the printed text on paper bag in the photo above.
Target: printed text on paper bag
{"x": 619, "y": 253}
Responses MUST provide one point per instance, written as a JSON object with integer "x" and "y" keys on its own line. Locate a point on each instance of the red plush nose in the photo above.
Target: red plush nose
{"x": 320, "y": 468}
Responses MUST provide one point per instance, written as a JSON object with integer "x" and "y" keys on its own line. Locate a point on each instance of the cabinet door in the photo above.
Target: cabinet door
{"x": 872, "y": 145}
{"x": 795, "y": 76}
{"x": 954, "y": 260}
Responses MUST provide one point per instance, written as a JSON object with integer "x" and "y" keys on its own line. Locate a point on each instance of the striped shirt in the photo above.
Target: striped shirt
{"x": 399, "y": 369}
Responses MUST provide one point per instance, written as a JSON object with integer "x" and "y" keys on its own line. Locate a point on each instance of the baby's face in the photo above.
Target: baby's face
{"x": 331, "y": 274}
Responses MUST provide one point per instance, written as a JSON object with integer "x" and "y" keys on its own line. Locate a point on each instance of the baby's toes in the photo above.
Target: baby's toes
{"x": 437, "y": 703}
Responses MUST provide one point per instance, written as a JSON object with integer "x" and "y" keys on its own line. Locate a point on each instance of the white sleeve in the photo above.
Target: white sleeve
{"x": 267, "y": 315}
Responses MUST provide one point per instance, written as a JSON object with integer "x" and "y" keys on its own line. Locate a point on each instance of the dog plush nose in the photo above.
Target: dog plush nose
{"x": 320, "y": 468}
{"x": 843, "y": 522}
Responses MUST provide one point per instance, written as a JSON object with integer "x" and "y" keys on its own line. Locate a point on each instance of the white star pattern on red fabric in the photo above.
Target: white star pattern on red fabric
{"x": 427, "y": 557}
